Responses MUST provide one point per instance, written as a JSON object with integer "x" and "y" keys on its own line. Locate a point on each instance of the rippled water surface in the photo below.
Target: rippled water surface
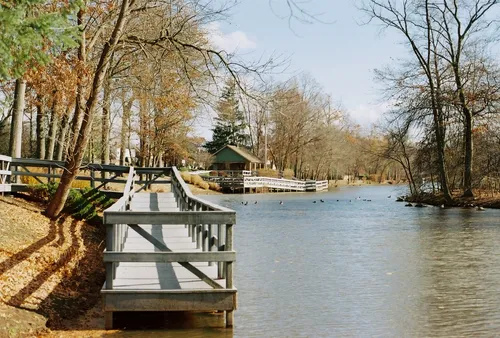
{"x": 363, "y": 268}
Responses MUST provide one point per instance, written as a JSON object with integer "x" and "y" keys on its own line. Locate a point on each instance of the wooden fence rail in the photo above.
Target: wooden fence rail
{"x": 98, "y": 175}
{"x": 284, "y": 184}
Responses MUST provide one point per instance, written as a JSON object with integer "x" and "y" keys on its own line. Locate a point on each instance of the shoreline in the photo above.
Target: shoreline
{"x": 331, "y": 185}
{"x": 480, "y": 200}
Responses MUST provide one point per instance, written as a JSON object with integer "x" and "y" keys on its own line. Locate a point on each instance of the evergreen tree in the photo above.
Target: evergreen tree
{"x": 32, "y": 30}
{"x": 230, "y": 127}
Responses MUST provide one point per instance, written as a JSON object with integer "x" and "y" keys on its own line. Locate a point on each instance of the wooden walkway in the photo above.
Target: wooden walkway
{"x": 164, "y": 251}
{"x": 168, "y": 252}
{"x": 160, "y": 276}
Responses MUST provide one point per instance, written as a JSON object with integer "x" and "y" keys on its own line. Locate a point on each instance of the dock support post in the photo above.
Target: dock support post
{"x": 209, "y": 240}
{"x": 220, "y": 237}
{"x": 229, "y": 318}
{"x": 108, "y": 320}
{"x": 205, "y": 238}
{"x": 199, "y": 237}
{"x": 92, "y": 178}
{"x": 229, "y": 271}
{"x": 110, "y": 267}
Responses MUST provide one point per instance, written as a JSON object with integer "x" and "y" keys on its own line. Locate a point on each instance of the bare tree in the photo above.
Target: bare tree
{"x": 440, "y": 35}
{"x": 174, "y": 35}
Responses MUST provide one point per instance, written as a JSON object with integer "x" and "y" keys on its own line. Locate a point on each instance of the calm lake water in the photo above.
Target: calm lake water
{"x": 362, "y": 268}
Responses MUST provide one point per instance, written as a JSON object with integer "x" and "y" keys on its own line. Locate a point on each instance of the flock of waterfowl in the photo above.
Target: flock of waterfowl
{"x": 314, "y": 201}
{"x": 442, "y": 206}
{"x": 399, "y": 199}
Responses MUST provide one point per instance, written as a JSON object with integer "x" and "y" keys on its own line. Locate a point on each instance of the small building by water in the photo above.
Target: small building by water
{"x": 236, "y": 158}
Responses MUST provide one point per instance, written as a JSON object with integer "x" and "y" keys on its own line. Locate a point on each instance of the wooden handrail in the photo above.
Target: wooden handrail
{"x": 170, "y": 257}
{"x": 5, "y": 173}
{"x": 187, "y": 196}
{"x": 208, "y": 225}
{"x": 128, "y": 191}
{"x": 280, "y": 183}
{"x": 5, "y": 158}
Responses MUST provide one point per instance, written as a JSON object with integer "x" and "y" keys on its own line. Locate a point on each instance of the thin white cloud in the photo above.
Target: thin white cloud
{"x": 230, "y": 42}
{"x": 367, "y": 115}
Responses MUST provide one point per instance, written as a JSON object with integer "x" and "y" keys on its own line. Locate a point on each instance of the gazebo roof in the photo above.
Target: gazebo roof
{"x": 242, "y": 152}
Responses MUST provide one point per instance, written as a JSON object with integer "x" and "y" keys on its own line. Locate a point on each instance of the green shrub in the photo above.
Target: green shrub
{"x": 82, "y": 204}
{"x": 43, "y": 192}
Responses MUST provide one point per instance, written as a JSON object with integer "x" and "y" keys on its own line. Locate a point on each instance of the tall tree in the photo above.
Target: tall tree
{"x": 230, "y": 127}
{"x": 32, "y": 31}
{"x": 440, "y": 35}
{"x": 178, "y": 33}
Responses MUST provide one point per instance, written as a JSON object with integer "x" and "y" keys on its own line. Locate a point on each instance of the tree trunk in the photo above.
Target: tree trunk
{"x": 16, "y": 130}
{"x": 61, "y": 145}
{"x": 125, "y": 130}
{"x": 74, "y": 158}
{"x": 437, "y": 110}
{"x": 106, "y": 112}
{"x": 32, "y": 136}
{"x": 40, "y": 130}
{"x": 467, "y": 118}
{"x": 54, "y": 128}
{"x": 468, "y": 157}
{"x": 143, "y": 137}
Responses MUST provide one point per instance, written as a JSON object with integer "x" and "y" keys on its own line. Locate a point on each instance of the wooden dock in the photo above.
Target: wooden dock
{"x": 164, "y": 251}
{"x": 168, "y": 252}
{"x": 242, "y": 181}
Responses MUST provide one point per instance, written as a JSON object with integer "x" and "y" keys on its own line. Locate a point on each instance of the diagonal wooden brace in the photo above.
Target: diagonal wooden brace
{"x": 159, "y": 245}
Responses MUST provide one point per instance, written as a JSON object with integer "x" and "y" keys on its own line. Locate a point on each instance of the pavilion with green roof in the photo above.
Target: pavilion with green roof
{"x": 235, "y": 158}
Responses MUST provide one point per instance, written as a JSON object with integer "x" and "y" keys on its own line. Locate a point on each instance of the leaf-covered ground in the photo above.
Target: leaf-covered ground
{"x": 50, "y": 268}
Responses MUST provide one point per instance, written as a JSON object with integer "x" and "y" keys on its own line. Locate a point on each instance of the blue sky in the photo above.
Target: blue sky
{"x": 341, "y": 56}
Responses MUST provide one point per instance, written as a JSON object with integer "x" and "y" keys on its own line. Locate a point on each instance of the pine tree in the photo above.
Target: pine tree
{"x": 33, "y": 30}
{"x": 230, "y": 127}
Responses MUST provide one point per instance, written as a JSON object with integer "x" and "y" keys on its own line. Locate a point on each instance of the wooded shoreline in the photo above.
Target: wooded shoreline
{"x": 481, "y": 200}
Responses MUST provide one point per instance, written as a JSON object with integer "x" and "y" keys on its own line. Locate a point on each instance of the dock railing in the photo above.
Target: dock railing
{"x": 98, "y": 175}
{"x": 284, "y": 184}
{"x": 209, "y": 225}
{"x": 5, "y": 173}
{"x": 321, "y": 185}
{"x": 211, "y": 228}
{"x": 274, "y": 183}
{"x": 117, "y": 234}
